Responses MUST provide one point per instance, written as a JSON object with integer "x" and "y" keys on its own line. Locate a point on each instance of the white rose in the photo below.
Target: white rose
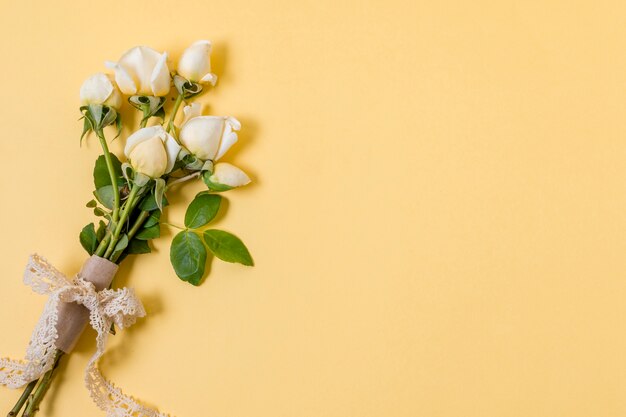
{"x": 228, "y": 175}
{"x": 142, "y": 71}
{"x": 152, "y": 151}
{"x": 195, "y": 63}
{"x": 208, "y": 137}
{"x": 100, "y": 89}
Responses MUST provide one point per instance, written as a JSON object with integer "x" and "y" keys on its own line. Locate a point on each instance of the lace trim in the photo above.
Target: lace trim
{"x": 106, "y": 307}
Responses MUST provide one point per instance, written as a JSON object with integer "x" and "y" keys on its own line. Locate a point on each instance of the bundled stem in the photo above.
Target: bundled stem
{"x": 32, "y": 401}
{"x": 20, "y": 403}
{"x": 126, "y": 210}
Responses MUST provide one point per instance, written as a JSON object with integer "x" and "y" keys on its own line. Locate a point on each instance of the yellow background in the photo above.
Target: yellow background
{"x": 438, "y": 214}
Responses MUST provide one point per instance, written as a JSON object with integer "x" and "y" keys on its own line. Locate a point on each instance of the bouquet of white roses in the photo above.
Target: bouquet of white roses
{"x": 129, "y": 197}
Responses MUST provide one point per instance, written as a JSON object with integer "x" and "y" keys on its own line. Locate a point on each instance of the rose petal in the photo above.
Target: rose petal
{"x": 229, "y": 138}
{"x": 142, "y": 135}
{"x": 160, "y": 79}
{"x": 227, "y": 174}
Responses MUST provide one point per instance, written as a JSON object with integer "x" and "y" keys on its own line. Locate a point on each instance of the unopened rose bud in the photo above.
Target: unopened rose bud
{"x": 195, "y": 63}
{"x": 209, "y": 137}
{"x": 225, "y": 174}
{"x": 152, "y": 151}
{"x": 100, "y": 89}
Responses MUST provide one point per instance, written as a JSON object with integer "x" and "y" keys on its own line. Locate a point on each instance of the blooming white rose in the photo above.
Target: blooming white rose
{"x": 142, "y": 71}
{"x": 208, "y": 137}
{"x": 152, "y": 151}
{"x": 100, "y": 89}
{"x": 195, "y": 63}
{"x": 228, "y": 175}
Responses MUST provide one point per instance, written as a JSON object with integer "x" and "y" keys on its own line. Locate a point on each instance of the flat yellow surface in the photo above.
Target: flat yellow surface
{"x": 438, "y": 214}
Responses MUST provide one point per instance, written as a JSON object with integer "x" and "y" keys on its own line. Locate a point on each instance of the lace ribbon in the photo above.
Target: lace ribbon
{"x": 106, "y": 307}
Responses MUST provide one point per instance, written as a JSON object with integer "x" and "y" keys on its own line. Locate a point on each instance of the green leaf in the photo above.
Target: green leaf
{"x": 105, "y": 196}
{"x": 101, "y": 176}
{"x": 140, "y": 179}
{"x": 149, "y": 233}
{"x": 149, "y": 203}
{"x": 188, "y": 256}
{"x": 122, "y": 243}
{"x": 95, "y": 112}
{"x": 88, "y": 238}
{"x": 155, "y": 217}
{"x": 136, "y": 247}
{"x": 102, "y": 229}
{"x": 92, "y": 204}
{"x": 202, "y": 210}
{"x": 99, "y": 212}
{"x": 227, "y": 247}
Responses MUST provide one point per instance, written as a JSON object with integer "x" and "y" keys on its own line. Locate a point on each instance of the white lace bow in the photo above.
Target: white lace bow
{"x": 120, "y": 306}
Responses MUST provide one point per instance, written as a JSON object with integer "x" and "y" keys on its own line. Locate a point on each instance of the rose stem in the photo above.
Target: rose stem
{"x": 109, "y": 164}
{"x": 44, "y": 384}
{"x": 20, "y": 403}
{"x": 170, "y": 124}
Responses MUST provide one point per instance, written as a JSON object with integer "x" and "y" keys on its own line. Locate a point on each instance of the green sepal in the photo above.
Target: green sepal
{"x": 149, "y": 105}
{"x": 118, "y": 126}
{"x": 193, "y": 163}
{"x": 178, "y": 165}
{"x": 208, "y": 166}
{"x": 141, "y": 179}
{"x": 187, "y": 88}
{"x": 213, "y": 186}
{"x": 109, "y": 116}
{"x": 126, "y": 168}
{"x": 159, "y": 192}
{"x": 87, "y": 127}
{"x": 97, "y": 117}
{"x": 160, "y": 113}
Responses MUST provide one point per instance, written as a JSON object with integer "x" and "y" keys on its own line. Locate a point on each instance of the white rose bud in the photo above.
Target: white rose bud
{"x": 209, "y": 137}
{"x": 100, "y": 89}
{"x": 152, "y": 151}
{"x": 228, "y": 175}
{"x": 142, "y": 71}
{"x": 195, "y": 63}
